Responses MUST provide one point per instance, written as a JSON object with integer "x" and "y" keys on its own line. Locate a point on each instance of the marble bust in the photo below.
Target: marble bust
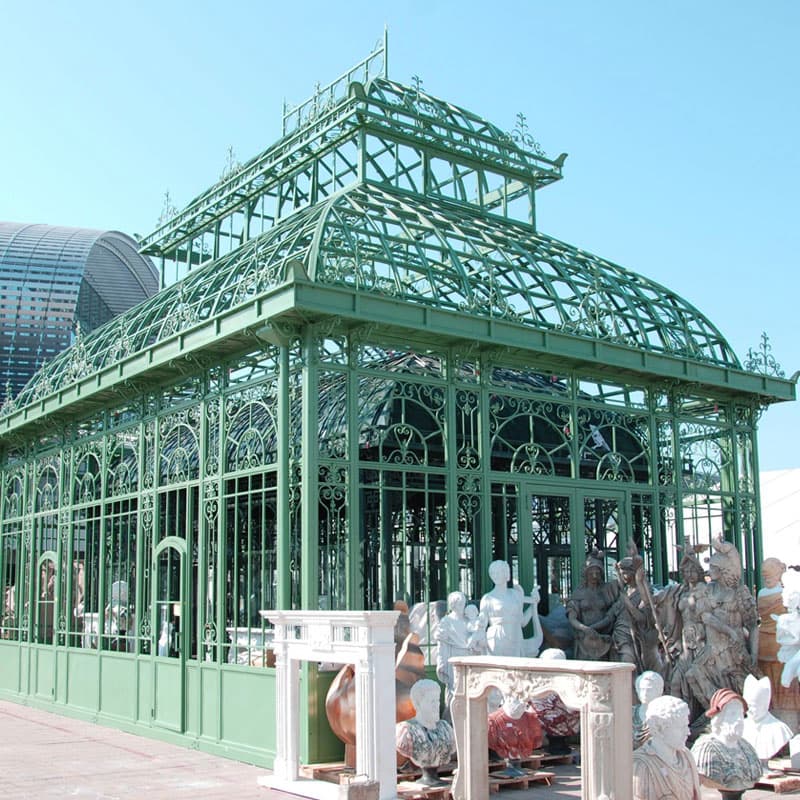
{"x": 426, "y": 740}
{"x": 504, "y": 608}
{"x": 763, "y": 730}
{"x": 513, "y": 732}
{"x": 663, "y": 768}
{"x": 649, "y": 685}
{"x": 558, "y": 721}
{"x": 724, "y": 759}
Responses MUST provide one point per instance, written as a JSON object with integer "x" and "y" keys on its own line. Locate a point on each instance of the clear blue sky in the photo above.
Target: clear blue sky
{"x": 681, "y": 120}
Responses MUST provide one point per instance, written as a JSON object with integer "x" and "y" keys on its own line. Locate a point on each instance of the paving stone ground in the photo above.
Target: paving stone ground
{"x": 45, "y": 756}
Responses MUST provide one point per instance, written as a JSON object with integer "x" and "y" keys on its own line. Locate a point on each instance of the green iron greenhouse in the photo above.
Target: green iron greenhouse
{"x": 374, "y": 376}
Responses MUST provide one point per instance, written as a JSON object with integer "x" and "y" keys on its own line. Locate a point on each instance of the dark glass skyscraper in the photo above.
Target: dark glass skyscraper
{"x": 53, "y": 277}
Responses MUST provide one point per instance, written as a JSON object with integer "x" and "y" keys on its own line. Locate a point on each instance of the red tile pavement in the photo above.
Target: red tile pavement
{"x": 45, "y": 756}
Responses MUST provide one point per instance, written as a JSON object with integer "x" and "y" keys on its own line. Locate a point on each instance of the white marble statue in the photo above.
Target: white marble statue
{"x": 724, "y": 759}
{"x": 787, "y": 629}
{"x": 649, "y": 685}
{"x": 663, "y": 767}
{"x": 426, "y": 740}
{"x": 452, "y": 635}
{"x": 763, "y": 730}
{"x": 505, "y": 609}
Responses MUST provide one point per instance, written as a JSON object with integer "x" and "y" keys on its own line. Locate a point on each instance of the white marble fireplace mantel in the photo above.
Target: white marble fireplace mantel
{"x": 601, "y": 690}
{"x": 362, "y": 638}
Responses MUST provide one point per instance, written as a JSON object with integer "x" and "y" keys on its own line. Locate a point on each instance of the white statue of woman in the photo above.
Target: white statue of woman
{"x": 763, "y": 730}
{"x": 787, "y": 629}
{"x": 663, "y": 767}
{"x": 504, "y": 608}
{"x": 426, "y": 740}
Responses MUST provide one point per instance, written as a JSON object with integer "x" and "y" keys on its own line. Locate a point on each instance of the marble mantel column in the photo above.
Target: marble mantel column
{"x": 601, "y": 690}
{"x": 362, "y": 638}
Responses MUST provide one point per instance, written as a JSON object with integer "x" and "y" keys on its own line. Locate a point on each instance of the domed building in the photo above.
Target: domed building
{"x": 55, "y": 280}
{"x": 376, "y": 376}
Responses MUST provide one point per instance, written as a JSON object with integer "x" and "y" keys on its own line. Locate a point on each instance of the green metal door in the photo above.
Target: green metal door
{"x": 545, "y": 534}
{"x": 43, "y": 662}
{"x": 169, "y": 623}
{"x": 547, "y": 542}
{"x": 602, "y": 523}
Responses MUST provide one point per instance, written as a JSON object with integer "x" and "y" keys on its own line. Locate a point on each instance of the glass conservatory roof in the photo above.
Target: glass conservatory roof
{"x": 422, "y": 251}
{"x": 383, "y": 191}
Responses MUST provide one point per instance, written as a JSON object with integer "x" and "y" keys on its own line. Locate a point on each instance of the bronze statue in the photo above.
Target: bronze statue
{"x": 683, "y": 629}
{"x": 635, "y": 633}
{"x": 588, "y": 610}
{"x": 729, "y": 619}
{"x": 340, "y": 702}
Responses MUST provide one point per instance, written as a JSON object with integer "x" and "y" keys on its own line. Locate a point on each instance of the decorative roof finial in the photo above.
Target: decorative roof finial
{"x": 762, "y": 360}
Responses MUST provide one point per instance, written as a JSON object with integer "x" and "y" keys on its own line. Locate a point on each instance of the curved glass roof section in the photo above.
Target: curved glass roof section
{"x": 422, "y": 251}
{"x": 432, "y": 252}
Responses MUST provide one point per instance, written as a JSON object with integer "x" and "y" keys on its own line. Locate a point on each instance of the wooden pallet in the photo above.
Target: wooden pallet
{"x": 523, "y": 782}
{"x": 332, "y": 773}
{"x": 407, "y": 790}
{"x": 413, "y": 773}
{"x": 567, "y": 758}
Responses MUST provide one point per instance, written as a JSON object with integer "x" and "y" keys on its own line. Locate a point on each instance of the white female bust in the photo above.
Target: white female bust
{"x": 505, "y": 609}
{"x": 763, "y": 730}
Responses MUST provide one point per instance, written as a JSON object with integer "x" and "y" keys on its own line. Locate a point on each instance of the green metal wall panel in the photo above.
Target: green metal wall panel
{"x": 144, "y": 670}
{"x": 62, "y": 667}
{"x": 246, "y": 708}
{"x": 10, "y": 654}
{"x": 83, "y": 680}
{"x": 209, "y": 684}
{"x": 118, "y": 686}
{"x": 44, "y": 673}
{"x": 192, "y": 715}
{"x": 168, "y": 695}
